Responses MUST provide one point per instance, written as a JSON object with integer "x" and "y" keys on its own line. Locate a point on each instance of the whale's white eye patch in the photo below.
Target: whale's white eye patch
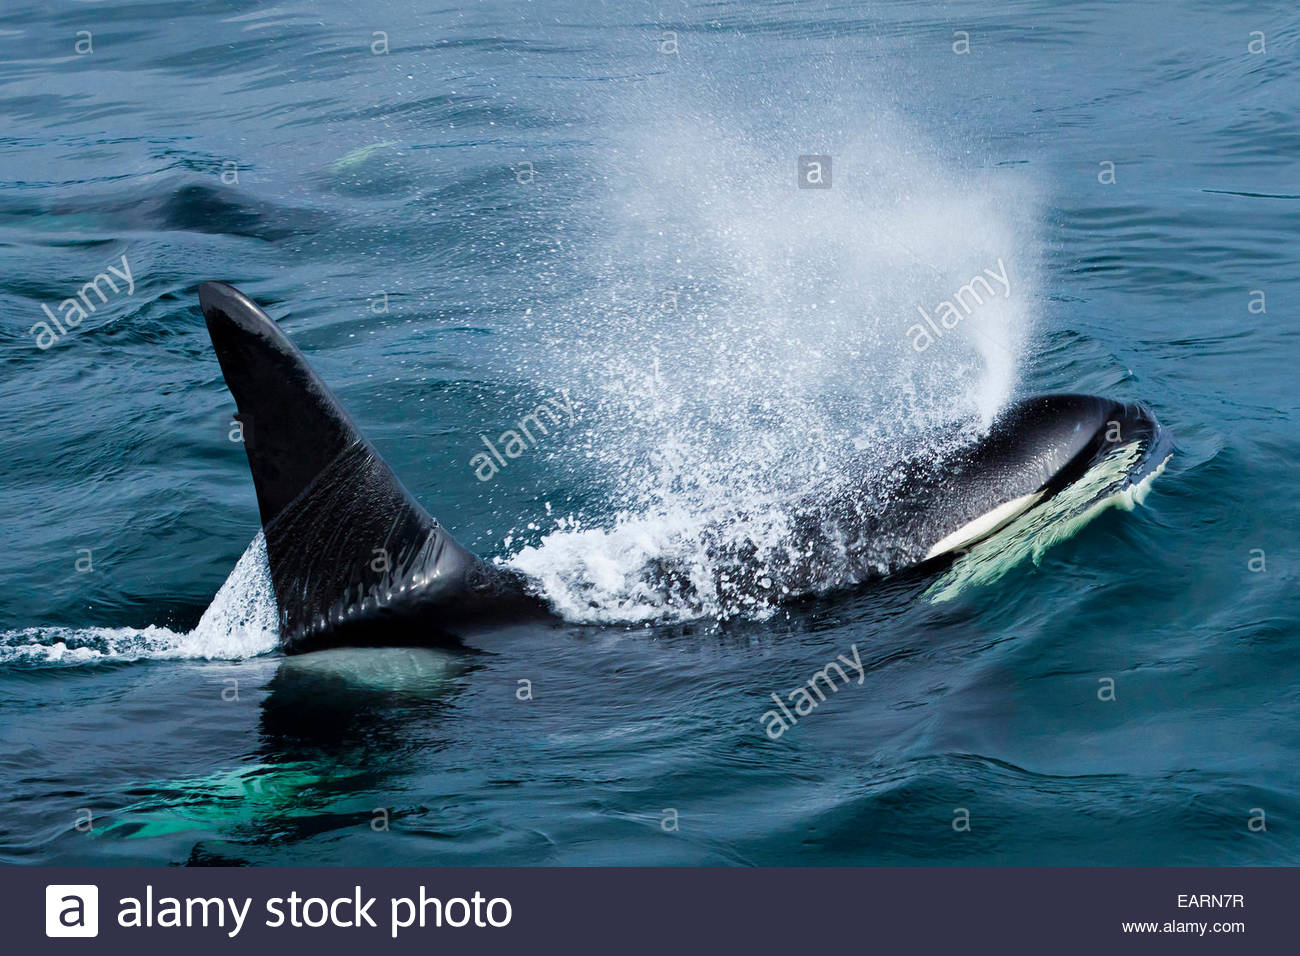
{"x": 983, "y": 526}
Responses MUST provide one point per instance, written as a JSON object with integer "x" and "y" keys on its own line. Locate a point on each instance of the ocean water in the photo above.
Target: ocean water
{"x": 462, "y": 213}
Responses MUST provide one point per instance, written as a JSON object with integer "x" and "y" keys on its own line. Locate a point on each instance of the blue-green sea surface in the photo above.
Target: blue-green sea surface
{"x": 711, "y": 231}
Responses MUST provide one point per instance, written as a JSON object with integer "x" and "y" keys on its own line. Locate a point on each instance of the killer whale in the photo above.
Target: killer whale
{"x": 355, "y": 560}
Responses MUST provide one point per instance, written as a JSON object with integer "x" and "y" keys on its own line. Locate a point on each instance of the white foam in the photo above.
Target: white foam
{"x": 601, "y": 576}
{"x": 240, "y": 622}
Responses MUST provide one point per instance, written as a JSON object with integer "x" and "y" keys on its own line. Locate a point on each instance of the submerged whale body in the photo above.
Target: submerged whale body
{"x": 355, "y": 560}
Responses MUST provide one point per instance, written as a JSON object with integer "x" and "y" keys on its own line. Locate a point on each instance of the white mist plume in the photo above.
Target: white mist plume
{"x": 741, "y": 338}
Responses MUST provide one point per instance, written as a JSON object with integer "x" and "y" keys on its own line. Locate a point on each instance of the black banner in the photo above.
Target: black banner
{"x": 637, "y": 910}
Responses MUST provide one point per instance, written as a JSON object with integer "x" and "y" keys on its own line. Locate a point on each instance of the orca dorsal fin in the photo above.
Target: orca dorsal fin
{"x": 293, "y": 427}
{"x": 346, "y": 542}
